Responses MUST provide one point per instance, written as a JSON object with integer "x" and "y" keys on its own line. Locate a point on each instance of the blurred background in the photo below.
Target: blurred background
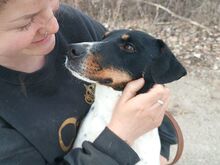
{"x": 191, "y": 28}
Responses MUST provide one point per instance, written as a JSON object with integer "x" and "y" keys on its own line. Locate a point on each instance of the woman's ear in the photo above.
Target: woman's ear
{"x": 165, "y": 67}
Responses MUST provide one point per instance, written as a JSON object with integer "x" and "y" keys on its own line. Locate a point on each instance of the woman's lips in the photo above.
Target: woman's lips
{"x": 43, "y": 41}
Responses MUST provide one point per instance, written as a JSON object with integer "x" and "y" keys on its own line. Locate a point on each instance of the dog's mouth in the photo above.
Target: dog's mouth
{"x": 111, "y": 77}
{"x": 89, "y": 70}
{"x": 104, "y": 81}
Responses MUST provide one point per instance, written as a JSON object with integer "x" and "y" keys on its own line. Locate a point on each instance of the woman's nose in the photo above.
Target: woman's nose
{"x": 50, "y": 25}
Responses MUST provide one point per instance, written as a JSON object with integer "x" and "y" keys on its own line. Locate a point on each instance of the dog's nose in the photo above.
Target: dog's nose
{"x": 76, "y": 50}
{"x": 72, "y": 51}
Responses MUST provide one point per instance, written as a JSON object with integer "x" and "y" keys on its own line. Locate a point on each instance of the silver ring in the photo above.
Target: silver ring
{"x": 160, "y": 102}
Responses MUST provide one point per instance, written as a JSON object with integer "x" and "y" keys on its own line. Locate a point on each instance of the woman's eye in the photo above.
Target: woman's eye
{"x": 128, "y": 47}
{"x": 26, "y": 27}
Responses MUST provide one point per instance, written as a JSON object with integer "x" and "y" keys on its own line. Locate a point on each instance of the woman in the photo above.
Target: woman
{"x": 41, "y": 104}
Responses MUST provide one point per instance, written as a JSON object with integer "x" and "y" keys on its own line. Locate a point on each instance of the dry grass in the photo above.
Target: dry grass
{"x": 112, "y": 12}
{"x": 193, "y": 44}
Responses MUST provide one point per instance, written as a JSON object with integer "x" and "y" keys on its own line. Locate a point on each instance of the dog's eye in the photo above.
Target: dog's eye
{"x": 128, "y": 47}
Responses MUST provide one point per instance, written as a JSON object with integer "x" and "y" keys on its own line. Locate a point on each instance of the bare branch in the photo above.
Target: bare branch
{"x": 209, "y": 30}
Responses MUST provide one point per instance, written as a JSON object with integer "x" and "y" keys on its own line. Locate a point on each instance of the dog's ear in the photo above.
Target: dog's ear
{"x": 165, "y": 67}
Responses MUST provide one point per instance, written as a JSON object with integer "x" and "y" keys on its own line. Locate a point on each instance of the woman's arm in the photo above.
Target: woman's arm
{"x": 15, "y": 149}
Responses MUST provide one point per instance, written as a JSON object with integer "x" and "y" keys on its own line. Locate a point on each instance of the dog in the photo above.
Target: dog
{"x": 120, "y": 57}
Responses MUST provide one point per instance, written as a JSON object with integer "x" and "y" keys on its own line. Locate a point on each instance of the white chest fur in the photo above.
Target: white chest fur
{"x": 147, "y": 146}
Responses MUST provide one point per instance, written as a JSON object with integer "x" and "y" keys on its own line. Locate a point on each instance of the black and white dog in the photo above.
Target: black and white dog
{"x": 122, "y": 56}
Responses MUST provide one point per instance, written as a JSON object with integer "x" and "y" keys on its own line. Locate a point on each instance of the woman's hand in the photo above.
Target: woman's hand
{"x": 135, "y": 115}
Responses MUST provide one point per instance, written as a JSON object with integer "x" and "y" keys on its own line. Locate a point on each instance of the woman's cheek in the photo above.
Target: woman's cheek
{"x": 14, "y": 42}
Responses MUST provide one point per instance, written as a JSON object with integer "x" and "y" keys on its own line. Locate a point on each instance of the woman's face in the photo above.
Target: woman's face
{"x": 28, "y": 27}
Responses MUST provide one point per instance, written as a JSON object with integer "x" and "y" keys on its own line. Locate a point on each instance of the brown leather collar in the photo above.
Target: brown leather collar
{"x": 180, "y": 140}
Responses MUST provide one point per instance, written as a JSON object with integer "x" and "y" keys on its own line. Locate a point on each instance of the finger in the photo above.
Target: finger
{"x": 159, "y": 94}
{"x": 156, "y": 87}
{"x": 161, "y": 113}
{"x": 162, "y": 106}
{"x": 159, "y": 119}
{"x": 131, "y": 89}
{"x": 157, "y": 109}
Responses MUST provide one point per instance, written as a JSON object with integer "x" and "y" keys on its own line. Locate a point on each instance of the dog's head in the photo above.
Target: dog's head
{"x": 123, "y": 56}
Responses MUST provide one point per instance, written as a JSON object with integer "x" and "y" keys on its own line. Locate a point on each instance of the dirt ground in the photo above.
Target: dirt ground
{"x": 195, "y": 99}
{"x": 195, "y": 104}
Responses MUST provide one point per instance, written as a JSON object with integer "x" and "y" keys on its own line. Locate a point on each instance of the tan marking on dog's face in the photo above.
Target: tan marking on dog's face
{"x": 125, "y": 37}
{"x": 91, "y": 65}
{"x": 117, "y": 76}
{"x": 93, "y": 71}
